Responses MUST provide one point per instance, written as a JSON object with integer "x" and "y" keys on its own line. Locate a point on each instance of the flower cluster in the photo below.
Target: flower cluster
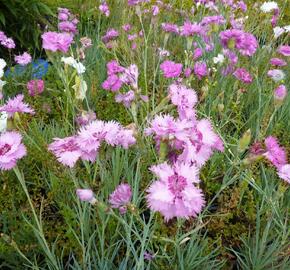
{"x": 23, "y": 59}
{"x": 67, "y": 21}
{"x": 86, "y": 143}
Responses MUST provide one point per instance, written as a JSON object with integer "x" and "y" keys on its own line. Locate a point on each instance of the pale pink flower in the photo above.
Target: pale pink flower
{"x": 11, "y": 149}
{"x": 86, "y": 195}
{"x": 126, "y": 98}
{"x": 284, "y": 172}
{"x": 35, "y": 87}
{"x": 275, "y": 153}
{"x": 284, "y": 50}
{"x": 174, "y": 194}
{"x": 104, "y": 8}
{"x": 16, "y": 105}
{"x": 280, "y": 92}
{"x": 243, "y": 75}
{"x": 54, "y": 41}
{"x": 23, "y": 59}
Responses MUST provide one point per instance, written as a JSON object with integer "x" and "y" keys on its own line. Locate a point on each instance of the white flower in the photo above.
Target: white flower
{"x": 219, "y": 59}
{"x": 287, "y": 28}
{"x": 2, "y": 83}
{"x": 276, "y": 74}
{"x": 2, "y": 63}
{"x": 68, "y": 60}
{"x": 278, "y": 31}
{"x": 269, "y": 6}
{"x": 3, "y": 121}
{"x": 80, "y": 68}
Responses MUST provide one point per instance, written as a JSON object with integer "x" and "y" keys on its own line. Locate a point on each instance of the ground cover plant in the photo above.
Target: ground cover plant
{"x": 146, "y": 135}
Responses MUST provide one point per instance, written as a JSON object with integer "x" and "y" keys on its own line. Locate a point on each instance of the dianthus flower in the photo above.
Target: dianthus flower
{"x": 23, "y": 59}
{"x": 280, "y": 92}
{"x": 284, "y": 50}
{"x": 11, "y": 149}
{"x": 276, "y": 74}
{"x": 278, "y": 62}
{"x": 217, "y": 19}
{"x": 104, "y": 8}
{"x": 35, "y": 87}
{"x": 67, "y": 26}
{"x": 275, "y": 153}
{"x": 284, "y": 172}
{"x": 86, "y": 195}
{"x": 121, "y": 197}
{"x": 200, "y": 69}
{"x": 171, "y": 69}
{"x": 244, "y": 42}
{"x": 190, "y": 29}
{"x": 185, "y": 99}
{"x": 170, "y": 28}
{"x": 54, "y": 41}
{"x": 110, "y": 35}
{"x": 243, "y": 75}
{"x": 126, "y": 98}
{"x": 174, "y": 194}
{"x": 16, "y": 105}
{"x": 112, "y": 83}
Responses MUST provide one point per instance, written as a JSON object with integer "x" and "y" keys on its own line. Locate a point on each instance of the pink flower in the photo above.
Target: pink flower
{"x": 66, "y": 150}
{"x": 284, "y": 172}
{"x": 110, "y": 35}
{"x": 35, "y": 87}
{"x": 11, "y": 149}
{"x": 113, "y": 68}
{"x": 243, "y": 75}
{"x": 121, "y": 197}
{"x": 217, "y": 19}
{"x": 284, "y": 50}
{"x": 16, "y": 105}
{"x": 197, "y": 53}
{"x": 170, "y": 28}
{"x": 275, "y": 153}
{"x": 7, "y": 42}
{"x": 189, "y": 29}
{"x": 67, "y": 26}
{"x": 280, "y": 92}
{"x": 104, "y": 8}
{"x": 126, "y": 98}
{"x": 113, "y": 83}
{"x": 54, "y": 41}
{"x": 200, "y": 69}
{"x": 86, "y": 42}
{"x": 86, "y": 195}
{"x": 23, "y": 59}
{"x": 171, "y": 69}
{"x": 244, "y": 42}
{"x": 85, "y": 118}
{"x": 185, "y": 99}
{"x": 278, "y": 62}
{"x": 174, "y": 194}
{"x": 126, "y": 27}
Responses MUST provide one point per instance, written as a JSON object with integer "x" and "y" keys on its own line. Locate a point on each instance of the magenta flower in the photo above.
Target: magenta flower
{"x": 174, "y": 194}
{"x": 35, "y": 87}
{"x": 278, "y": 62}
{"x": 244, "y": 42}
{"x": 284, "y": 50}
{"x": 16, "y": 105}
{"x": 86, "y": 195}
{"x": 54, "y": 41}
{"x": 284, "y": 172}
{"x": 275, "y": 153}
{"x": 23, "y": 59}
{"x": 189, "y": 29}
{"x": 171, "y": 69}
{"x": 243, "y": 75}
{"x": 121, "y": 197}
{"x": 217, "y": 19}
{"x": 280, "y": 92}
{"x": 11, "y": 149}
{"x": 112, "y": 83}
{"x": 200, "y": 69}
{"x": 126, "y": 27}
{"x": 197, "y": 53}
{"x": 113, "y": 68}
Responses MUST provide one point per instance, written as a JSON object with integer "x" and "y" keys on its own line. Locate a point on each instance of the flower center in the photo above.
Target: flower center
{"x": 177, "y": 184}
{"x": 4, "y": 149}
